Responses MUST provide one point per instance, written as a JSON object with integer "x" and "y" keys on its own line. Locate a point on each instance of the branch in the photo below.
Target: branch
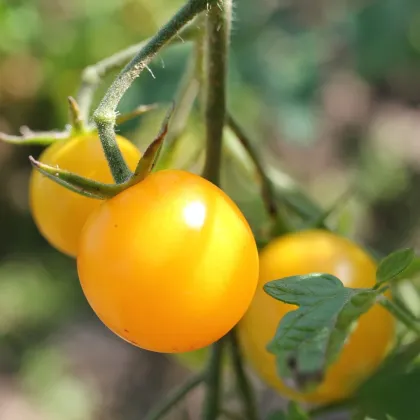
{"x": 185, "y": 98}
{"x": 267, "y": 188}
{"x": 244, "y": 386}
{"x": 29, "y": 137}
{"x": 215, "y": 66}
{"x": 92, "y": 75}
{"x": 214, "y": 373}
{"x": 105, "y": 114}
{"x": 174, "y": 397}
{"x": 218, "y": 23}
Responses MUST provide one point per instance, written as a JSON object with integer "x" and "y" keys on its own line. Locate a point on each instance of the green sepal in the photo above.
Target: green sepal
{"x": 151, "y": 155}
{"x": 77, "y": 123}
{"x": 76, "y": 183}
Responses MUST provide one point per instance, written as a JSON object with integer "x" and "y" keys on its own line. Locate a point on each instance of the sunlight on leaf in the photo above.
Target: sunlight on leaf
{"x": 310, "y": 338}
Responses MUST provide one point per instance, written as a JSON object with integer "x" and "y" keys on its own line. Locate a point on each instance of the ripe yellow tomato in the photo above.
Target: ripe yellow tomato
{"x": 58, "y": 212}
{"x": 303, "y": 253}
{"x": 169, "y": 264}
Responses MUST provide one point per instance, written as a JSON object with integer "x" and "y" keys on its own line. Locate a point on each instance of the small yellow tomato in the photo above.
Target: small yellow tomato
{"x": 58, "y": 212}
{"x": 309, "y": 252}
{"x": 169, "y": 264}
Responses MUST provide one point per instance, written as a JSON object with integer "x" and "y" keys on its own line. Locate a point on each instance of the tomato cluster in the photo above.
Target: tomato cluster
{"x": 161, "y": 261}
{"x": 170, "y": 264}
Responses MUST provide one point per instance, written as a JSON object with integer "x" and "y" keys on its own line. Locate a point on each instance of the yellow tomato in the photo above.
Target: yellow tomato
{"x": 59, "y": 213}
{"x": 169, "y": 264}
{"x": 303, "y": 253}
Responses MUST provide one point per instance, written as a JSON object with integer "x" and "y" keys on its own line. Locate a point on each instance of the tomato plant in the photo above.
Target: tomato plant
{"x": 169, "y": 264}
{"x": 58, "y": 212}
{"x": 310, "y": 252}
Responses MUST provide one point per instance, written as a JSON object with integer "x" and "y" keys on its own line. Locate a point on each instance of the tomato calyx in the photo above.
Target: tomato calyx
{"x": 102, "y": 191}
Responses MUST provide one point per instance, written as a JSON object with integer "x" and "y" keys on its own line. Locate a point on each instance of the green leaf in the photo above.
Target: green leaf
{"x": 310, "y": 338}
{"x": 393, "y": 266}
{"x": 413, "y": 269}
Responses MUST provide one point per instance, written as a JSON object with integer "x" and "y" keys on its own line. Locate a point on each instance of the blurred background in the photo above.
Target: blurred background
{"x": 329, "y": 91}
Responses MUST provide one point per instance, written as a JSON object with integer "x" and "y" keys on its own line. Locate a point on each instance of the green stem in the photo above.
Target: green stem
{"x": 29, "y": 137}
{"x": 267, "y": 188}
{"x": 400, "y": 314}
{"x": 184, "y": 99}
{"x": 217, "y": 42}
{"x": 105, "y": 114}
{"x": 200, "y": 48}
{"x": 174, "y": 397}
{"x": 244, "y": 386}
{"x": 214, "y": 373}
{"x": 92, "y": 75}
{"x": 215, "y": 69}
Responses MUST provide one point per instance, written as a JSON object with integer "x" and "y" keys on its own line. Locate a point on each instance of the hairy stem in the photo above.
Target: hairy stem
{"x": 105, "y": 114}
{"x": 29, "y": 137}
{"x": 185, "y": 98}
{"x": 216, "y": 56}
{"x": 244, "y": 386}
{"x": 214, "y": 373}
{"x": 92, "y": 75}
{"x": 400, "y": 314}
{"x": 174, "y": 397}
{"x": 77, "y": 122}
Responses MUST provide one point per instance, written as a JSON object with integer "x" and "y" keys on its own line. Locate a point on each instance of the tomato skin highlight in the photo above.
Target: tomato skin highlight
{"x": 59, "y": 213}
{"x": 303, "y": 253}
{"x": 170, "y": 264}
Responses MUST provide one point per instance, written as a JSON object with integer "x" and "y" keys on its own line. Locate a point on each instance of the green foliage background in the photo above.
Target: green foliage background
{"x": 329, "y": 90}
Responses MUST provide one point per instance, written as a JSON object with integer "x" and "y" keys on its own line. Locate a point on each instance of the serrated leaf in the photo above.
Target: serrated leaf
{"x": 310, "y": 338}
{"x": 393, "y": 266}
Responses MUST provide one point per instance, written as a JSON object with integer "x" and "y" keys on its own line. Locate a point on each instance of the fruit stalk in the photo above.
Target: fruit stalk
{"x": 174, "y": 397}
{"x": 244, "y": 386}
{"x": 211, "y": 408}
{"x": 105, "y": 114}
